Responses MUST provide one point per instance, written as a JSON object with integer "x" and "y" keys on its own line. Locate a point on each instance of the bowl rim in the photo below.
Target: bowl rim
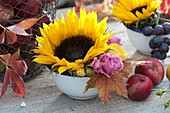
{"x": 66, "y": 76}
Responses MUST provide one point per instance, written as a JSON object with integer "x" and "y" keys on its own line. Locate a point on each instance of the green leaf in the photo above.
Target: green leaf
{"x": 166, "y": 105}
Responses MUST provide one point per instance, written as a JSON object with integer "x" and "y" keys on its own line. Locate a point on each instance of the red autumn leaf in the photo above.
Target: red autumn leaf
{"x": 107, "y": 85}
{"x": 26, "y": 24}
{"x": 5, "y": 58}
{"x": 17, "y": 83}
{"x": 18, "y": 30}
{"x": 14, "y": 68}
{"x": 11, "y": 37}
{"x": 16, "y": 55}
{"x": 2, "y": 37}
{"x": 19, "y": 66}
{"x": 5, "y": 83}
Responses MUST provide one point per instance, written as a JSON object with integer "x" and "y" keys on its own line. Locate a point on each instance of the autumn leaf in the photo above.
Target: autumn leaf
{"x": 128, "y": 67}
{"x": 2, "y": 37}
{"x": 16, "y": 83}
{"x": 14, "y": 69}
{"x": 5, "y": 83}
{"x": 10, "y": 37}
{"x": 26, "y": 24}
{"x": 106, "y": 86}
{"x": 18, "y": 30}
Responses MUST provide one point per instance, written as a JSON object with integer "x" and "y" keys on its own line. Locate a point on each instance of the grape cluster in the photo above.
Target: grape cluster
{"x": 160, "y": 45}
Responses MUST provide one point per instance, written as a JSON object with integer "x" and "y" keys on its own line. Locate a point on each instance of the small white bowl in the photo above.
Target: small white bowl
{"x": 140, "y": 41}
{"x": 74, "y": 86}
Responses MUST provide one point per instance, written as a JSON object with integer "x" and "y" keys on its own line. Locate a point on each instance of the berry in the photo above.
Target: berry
{"x": 155, "y": 42}
{"x": 164, "y": 48}
{"x": 147, "y": 31}
{"x": 166, "y": 40}
{"x": 158, "y": 30}
{"x": 166, "y": 26}
{"x": 158, "y": 54}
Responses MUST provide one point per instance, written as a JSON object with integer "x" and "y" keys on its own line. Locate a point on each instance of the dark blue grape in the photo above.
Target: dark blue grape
{"x": 158, "y": 54}
{"x": 158, "y": 30}
{"x": 155, "y": 42}
{"x": 164, "y": 48}
{"x": 166, "y": 40}
{"x": 166, "y": 26}
{"x": 147, "y": 31}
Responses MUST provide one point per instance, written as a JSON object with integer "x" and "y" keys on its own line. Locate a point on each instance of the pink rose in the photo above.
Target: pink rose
{"x": 107, "y": 64}
{"x": 113, "y": 39}
{"x": 96, "y": 64}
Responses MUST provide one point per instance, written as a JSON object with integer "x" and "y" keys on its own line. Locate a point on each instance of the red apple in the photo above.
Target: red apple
{"x": 29, "y": 9}
{"x": 139, "y": 87}
{"x": 154, "y": 70}
{"x": 6, "y": 13}
{"x": 12, "y": 3}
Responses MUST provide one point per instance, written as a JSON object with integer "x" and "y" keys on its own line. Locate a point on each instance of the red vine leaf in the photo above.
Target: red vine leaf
{"x": 14, "y": 68}
{"x": 5, "y": 83}
{"x": 5, "y": 58}
{"x": 19, "y": 66}
{"x": 107, "y": 85}
{"x": 16, "y": 55}
{"x": 18, "y": 30}
{"x": 26, "y": 24}
{"x": 2, "y": 37}
{"x": 11, "y": 37}
{"x": 17, "y": 83}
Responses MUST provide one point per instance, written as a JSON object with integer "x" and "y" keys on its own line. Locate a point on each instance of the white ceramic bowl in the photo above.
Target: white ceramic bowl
{"x": 141, "y": 42}
{"x": 74, "y": 86}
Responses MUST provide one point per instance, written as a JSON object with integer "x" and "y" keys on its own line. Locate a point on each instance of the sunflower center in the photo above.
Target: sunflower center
{"x": 74, "y": 48}
{"x": 138, "y": 9}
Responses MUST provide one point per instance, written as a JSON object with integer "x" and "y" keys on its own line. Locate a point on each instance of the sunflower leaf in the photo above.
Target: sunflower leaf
{"x": 107, "y": 85}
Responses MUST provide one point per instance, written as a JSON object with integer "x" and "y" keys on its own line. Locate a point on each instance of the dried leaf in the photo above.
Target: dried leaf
{"x": 18, "y": 30}
{"x": 17, "y": 83}
{"x": 107, "y": 85}
{"x": 5, "y": 83}
{"x": 11, "y": 37}
{"x": 128, "y": 67}
{"x": 2, "y": 37}
{"x": 26, "y": 24}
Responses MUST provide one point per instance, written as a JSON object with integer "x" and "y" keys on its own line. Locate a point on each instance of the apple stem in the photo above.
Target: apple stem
{"x": 142, "y": 79}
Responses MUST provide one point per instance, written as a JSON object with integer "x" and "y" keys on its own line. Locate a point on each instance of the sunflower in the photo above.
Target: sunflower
{"x": 70, "y": 42}
{"x": 130, "y": 11}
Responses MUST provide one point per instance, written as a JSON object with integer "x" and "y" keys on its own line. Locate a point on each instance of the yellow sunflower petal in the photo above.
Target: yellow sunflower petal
{"x": 68, "y": 28}
{"x": 127, "y": 11}
{"x": 116, "y": 49}
{"x": 44, "y": 60}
